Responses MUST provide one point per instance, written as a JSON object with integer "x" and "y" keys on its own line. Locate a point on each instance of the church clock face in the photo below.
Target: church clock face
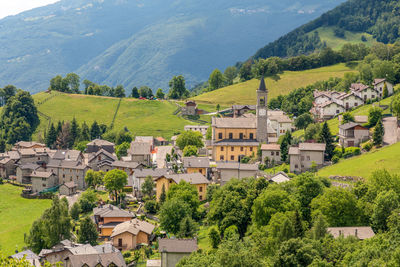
{"x": 262, "y": 112}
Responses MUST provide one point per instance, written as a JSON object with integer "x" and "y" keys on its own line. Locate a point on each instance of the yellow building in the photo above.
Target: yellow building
{"x": 127, "y": 235}
{"x": 196, "y": 179}
{"x": 197, "y": 164}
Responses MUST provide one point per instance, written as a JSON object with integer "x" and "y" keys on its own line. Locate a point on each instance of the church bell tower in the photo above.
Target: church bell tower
{"x": 262, "y": 112}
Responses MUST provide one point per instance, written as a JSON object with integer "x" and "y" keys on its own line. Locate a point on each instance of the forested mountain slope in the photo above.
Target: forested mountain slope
{"x": 139, "y": 42}
{"x": 377, "y": 18}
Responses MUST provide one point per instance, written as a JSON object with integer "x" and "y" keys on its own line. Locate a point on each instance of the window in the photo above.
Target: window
{"x": 308, "y": 158}
{"x": 232, "y": 157}
{"x": 222, "y": 148}
{"x": 355, "y": 104}
{"x": 272, "y": 153}
{"x": 232, "y": 148}
{"x": 221, "y": 157}
{"x": 200, "y": 189}
{"x": 201, "y": 197}
{"x": 119, "y": 242}
{"x": 63, "y": 175}
{"x": 44, "y": 185}
{"x": 296, "y": 166}
{"x": 201, "y": 171}
{"x": 219, "y": 135}
{"x": 99, "y": 157}
{"x": 277, "y": 153}
{"x": 241, "y": 149}
{"x": 337, "y": 111}
{"x": 251, "y": 136}
{"x": 373, "y": 96}
{"x": 230, "y": 135}
{"x": 241, "y": 136}
{"x": 43, "y": 179}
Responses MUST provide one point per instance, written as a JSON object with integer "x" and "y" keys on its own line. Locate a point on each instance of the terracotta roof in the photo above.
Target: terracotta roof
{"x": 236, "y": 166}
{"x": 160, "y": 139}
{"x": 362, "y": 232}
{"x": 177, "y": 245}
{"x": 270, "y": 147}
{"x": 134, "y": 227}
{"x": 196, "y": 162}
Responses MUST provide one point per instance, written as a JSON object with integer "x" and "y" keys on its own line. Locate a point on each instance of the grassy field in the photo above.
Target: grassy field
{"x": 141, "y": 117}
{"x": 16, "y": 217}
{"x": 245, "y": 93}
{"x": 327, "y": 35}
{"x": 363, "y": 165}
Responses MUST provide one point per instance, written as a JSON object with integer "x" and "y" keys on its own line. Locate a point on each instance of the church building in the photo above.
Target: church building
{"x": 234, "y": 138}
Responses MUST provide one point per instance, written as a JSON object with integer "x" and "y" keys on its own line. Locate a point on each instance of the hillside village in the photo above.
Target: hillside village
{"x": 290, "y": 158}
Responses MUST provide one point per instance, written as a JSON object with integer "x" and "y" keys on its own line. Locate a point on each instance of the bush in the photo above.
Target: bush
{"x": 127, "y": 189}
{"x": 151, "y": 206}
{"x": 338, "y": 152}
{"x": 351, "y": 151}
{"x": 127, "y": 254}
{"x": 335, "y": 159}
{"x": 367, "y": 146}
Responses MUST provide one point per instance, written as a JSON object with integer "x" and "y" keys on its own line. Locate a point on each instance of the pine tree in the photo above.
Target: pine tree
{"x": 378, "y": 134}
{"x": 94, "y": 131}
{"x": 286, "y": 142}
{"x": 87, "y": 232}
{"x": 326, "y": 137}
{"x": 187, "y": 228}
{"x": 2, "y": 146}
{"x": 298, "y": 225}
{"x": 59, "y": 127}
{"x": 385, "y": 91}
{"x": 74, "y": 130}
{"x": 318, "y": 230}
{"x": 163, "y": 196}
{"x": 51, "y": 136}
{"x": 85, "y": 134}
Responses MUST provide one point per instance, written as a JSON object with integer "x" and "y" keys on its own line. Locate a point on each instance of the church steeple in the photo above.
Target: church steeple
{"x": 262, "y": 112}
{"x": 262, "y": 86}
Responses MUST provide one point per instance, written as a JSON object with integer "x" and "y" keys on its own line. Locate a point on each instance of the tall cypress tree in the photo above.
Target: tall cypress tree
{"x": 74, "y": 130}
{"x": 327, "y": 138}
{"x": 286, "y": 142}
{"x": 85, "y": 133}
{"x": 51, "y": 136}
{"x": 95, "y": 131}
{"x": 378, "y": 134}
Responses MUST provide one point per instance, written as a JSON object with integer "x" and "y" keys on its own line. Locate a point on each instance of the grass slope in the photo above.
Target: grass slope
{"x": 141, "y": 117}
{"x": 327, "y": 35}
{"x": 363, "y": 165}
{"x": 16, "y": 217}
{"x": 245, "y": 93}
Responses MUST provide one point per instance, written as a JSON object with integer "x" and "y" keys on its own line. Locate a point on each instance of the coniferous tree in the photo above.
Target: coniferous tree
{"x": 75, "y": 211}
{"x": 95, "y": 131}
{"x": 135, "y": 92}
{"x": 326, "y": 137}
{"x": 51, "y": 136}
{"x": 378, "y": 134}
{"x": 2, "y": 146}
{"x": 85, "y": 134}
{"x": 74, "y": 130}
{"x": 286, "y": 142}
{"x": 163, "y": 195}
{"x": 385, "y": 91}
{"x": 59, "y": 127}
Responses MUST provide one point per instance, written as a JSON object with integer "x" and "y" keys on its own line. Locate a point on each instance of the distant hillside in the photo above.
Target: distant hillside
{"x": 140, "y": 117}
{"x": 385, "y": 158}
{"x": 245, "y": 92}
{"x": 375, "y": 19}
{"x": 139, "y": 42}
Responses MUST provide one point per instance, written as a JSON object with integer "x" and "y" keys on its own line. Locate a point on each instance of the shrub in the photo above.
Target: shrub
{"x": 351, "y": 151}
{"x": 338, "y": 152}
{"x": 127, "y": 254}
{"x": 151, "y": 206}
{"x": 367, "y": 146}
{"x": 335, "y": 159}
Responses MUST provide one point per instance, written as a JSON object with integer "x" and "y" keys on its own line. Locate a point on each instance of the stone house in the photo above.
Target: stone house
{"x": 146, "y": 139}
{"x": 351, "y": 100}
{"x": 7, "y": 167}
{"x": 360, "y": 232}
{"x": 352, "y": 134}
{"x": 190, "y": 108}
{"x": 303, "y": 156}
{"x": 128, "y": 167}
{"x": 196, "y": 179}
{"x": 280, "y": 177}
{"x": 140, "y": 152}
{"x": 28, "y": 256}
{"x": 69, "y": 171}
{"x": 327, "y": 110}
{"x": 229, "y": 170}
{"x": 364, "y": 91}
{"x": 197, "y": 164}
{"x": 108, "y": 216}
{"x": 23, "y": 172}
{"x": 27, "y": 145}
{"x": 272, "y": 151}
{"x": 379, "y": 85}
{"x": 280, "y": 123}
{"x": 172, "y": 250}
{"x": 68, "y": 189}
{"x": 240, "y": 110}
{"x": 197, "y": 128}
{"x": 100, "y": 159}
{"x": 99, "y": 144}
{"x": 128, "y": 235}
{"x": 42, "y": 180}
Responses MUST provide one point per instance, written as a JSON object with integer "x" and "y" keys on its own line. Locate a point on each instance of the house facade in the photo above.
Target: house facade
{"x": 272, "y": 152}
{"x": 351, "y": 100}
{"x": 42, "y": 180}
{"x": 303, "y": 156}
{"x": 197, "y": 164}
{"x": 352, "y": 134}
{"x": 109, "y": 216}
{"x": 129, "y": 234}
{"x": 229, "y": 170}
{"x": 172, "y": 250}
{"x": 379, "y": 86}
